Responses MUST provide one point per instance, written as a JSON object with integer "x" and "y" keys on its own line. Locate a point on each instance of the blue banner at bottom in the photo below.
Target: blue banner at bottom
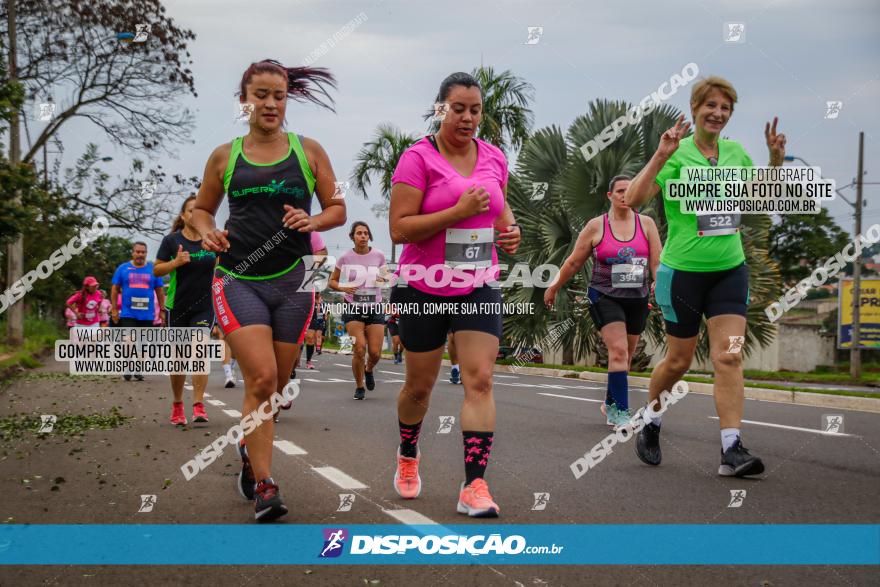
{"x": 497, "y": 544}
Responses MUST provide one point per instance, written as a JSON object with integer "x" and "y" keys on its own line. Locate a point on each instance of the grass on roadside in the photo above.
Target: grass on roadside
{"x": 39, "y": 335}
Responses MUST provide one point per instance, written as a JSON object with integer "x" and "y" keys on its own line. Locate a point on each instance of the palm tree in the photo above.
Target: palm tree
{"x": 377, "y": 160}
{"x": 507, "y": 118}
{"x": 576, "y": 193}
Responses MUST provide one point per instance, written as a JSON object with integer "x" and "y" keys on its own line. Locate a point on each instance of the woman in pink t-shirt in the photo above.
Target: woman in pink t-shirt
{"x": 86, "y": 303}
{"x": 448, "y": 200}
{"x": 359, "y": 274}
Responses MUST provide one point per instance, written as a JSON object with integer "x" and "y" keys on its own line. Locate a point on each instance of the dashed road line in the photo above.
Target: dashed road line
{"x": 339, "y": 478}
{"x": 289, "y": 448}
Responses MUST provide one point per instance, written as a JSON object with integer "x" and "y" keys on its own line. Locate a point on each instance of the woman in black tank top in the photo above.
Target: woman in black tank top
{"x": 270, "y": 176}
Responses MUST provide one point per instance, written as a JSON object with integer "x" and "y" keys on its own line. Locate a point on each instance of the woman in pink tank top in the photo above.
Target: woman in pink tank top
{"x": 625, "y": 247}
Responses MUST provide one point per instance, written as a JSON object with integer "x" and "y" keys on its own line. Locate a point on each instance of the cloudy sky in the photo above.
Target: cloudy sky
{"x": 796, "y": 56}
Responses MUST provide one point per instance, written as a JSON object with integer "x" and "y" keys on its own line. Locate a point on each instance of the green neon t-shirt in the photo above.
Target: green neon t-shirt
{"x": 684, "y": 249}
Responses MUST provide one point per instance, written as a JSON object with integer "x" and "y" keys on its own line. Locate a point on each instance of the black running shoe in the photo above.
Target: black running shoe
{"x": 267, "y": 502}
{"x": 648, "y": 444}
{"x": 127, "y": 377}
{"x": 369, "y": 380}
{"x": 246, "y": 479}
{"x": 139, "y": 377}
{"x": 359, "y": 393}
{"x": 737, "y": 462}
{"x": 455, "y": 377}
{"x": 293, "y": 374}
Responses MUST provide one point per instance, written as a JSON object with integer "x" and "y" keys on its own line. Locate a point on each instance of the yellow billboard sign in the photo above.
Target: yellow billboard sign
{"x": 869, "y": 314}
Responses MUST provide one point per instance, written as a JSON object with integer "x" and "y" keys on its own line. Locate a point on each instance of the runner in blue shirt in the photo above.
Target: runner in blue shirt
{"x": 135, "y": 281}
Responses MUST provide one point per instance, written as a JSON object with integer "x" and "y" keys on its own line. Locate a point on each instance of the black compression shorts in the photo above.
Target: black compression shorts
{"x": 605, "y": 309}
{"x": 685, "y": 296}
{"x": 426, "y": 331}
{"x": 193, "y": 318}
{"x": 274, "y": 302}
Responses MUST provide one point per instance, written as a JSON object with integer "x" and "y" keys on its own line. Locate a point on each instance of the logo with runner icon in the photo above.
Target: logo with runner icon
{"x": 539, "y": 190}
{"x": 446, "y": 424}
{"x": 534, "y": 35}
{"x": 47, "y": 423}
{"x": 334, "y": 542}
{"x": 346, "y": 501}
{"x": 737, "y": 497}
{"x": 832, "y": 109}
{"x": 148, "y": 502}
{"x": 832, "y": 423}
{"x": 736, "y": 344}
{"x": 734, "y": 32}
{"x": 541, "y": 500}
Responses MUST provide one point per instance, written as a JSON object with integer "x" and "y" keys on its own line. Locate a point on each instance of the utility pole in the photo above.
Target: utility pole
{"x": 15, "y": 249}
{"x": 855, "y": 353}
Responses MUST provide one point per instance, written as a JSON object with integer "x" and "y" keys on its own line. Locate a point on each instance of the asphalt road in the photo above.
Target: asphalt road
{"x": 329, "y": 444}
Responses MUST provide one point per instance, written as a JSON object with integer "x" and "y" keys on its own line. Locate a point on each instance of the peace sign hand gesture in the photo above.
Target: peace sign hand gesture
{"x": 775, "y": 143}
{"x": 671, "y": 138}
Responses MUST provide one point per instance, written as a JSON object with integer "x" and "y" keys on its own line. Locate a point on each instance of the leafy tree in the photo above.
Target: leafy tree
{"x": 506, "y": 119}
{"x": 799, "y": 243}
{"x": 376, "y": 161}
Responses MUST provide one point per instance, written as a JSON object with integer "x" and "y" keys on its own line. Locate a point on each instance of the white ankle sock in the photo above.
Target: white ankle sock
{"x": 728, "y": 437}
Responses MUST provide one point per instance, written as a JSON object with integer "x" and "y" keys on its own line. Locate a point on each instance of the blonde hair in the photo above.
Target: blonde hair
{"x": 702, "y": 88}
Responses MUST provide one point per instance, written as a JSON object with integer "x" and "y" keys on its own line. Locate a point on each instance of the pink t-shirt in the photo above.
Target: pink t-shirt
{"x": 317, "y": 242}
{"x": 104, "y": 310}
{"x": 353, "y": 266}
{"x": 89, "y": 304}
{"x": 424, "y": 168}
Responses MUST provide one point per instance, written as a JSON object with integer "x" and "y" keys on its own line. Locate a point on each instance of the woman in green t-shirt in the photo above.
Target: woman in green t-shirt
{"x": 702, "y": 271}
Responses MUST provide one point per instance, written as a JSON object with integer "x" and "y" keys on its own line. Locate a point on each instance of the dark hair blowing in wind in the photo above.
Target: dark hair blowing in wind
{"x": 304, "y": 84}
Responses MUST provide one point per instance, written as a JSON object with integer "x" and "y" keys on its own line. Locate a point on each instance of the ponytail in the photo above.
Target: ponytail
{"x": 178, "y": 223}
{"x": 305, "y": 84}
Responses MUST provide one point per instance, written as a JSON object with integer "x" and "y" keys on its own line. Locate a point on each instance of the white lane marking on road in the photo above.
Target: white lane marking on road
{"x": 341, "y": 365}
{"x": 232, "y": 413}
{"x": 339, "y": 478}
{"x": 583, "y": 399}
{"x": 331, "y": 380}
{"x": 390, "y": 372}
{"x": 216, "y": 402}
{"x": 188, "y": 387}
{"x": 207, "y": 394}
{"x": 506, "y": 376}
{"x": 393, "y": 380}
{"x": 409, "y": 517}
{"x": 289, "y": 448}
{"x": 798, "y": 428}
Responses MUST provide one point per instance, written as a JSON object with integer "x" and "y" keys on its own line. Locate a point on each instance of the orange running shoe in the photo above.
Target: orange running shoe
{"x": 407, "y": 482}
{"x": 475, "y": 501}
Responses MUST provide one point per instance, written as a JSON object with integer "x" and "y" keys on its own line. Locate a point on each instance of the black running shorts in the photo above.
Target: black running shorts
{"x": 423, "y": 331}
{"x": 685, "y": 296}
{"x": 605, "y": 309}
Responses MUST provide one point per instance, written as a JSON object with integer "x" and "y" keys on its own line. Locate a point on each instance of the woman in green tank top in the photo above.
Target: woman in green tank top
{"x": 702, "y": 271}
{"x": 260, "y": 297}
